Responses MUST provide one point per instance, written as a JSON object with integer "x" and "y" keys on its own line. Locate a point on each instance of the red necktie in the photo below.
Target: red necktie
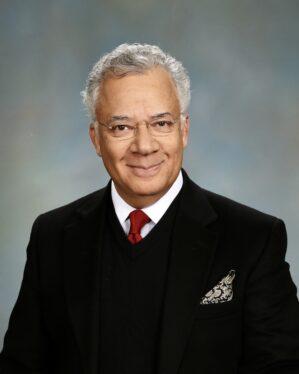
{"x": 138, "y": 219}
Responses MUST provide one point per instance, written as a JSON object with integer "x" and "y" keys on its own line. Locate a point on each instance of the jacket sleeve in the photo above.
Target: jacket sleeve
{"x": 271, "y": 334}
{"x": 25, "y": 344}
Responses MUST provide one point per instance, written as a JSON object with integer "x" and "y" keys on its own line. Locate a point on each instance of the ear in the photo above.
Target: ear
{"x": 95, "y": 137}
{"x": 185, "y": 129}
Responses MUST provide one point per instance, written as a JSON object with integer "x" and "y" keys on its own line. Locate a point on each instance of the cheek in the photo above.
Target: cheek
{"x": 178, "y": 147}
{"x": 112, "y": 153}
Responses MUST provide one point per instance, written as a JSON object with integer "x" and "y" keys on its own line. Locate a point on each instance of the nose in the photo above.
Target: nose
{"x": 144, "y": 143}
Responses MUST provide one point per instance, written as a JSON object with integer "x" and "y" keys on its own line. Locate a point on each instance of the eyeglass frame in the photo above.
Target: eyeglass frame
{"x": 137, "y": 125}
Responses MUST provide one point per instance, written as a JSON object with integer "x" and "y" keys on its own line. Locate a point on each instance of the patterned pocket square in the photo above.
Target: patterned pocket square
{"x": 222, "y": 292}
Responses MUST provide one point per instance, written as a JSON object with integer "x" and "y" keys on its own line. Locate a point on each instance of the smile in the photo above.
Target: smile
{"x": 146, "y": 171}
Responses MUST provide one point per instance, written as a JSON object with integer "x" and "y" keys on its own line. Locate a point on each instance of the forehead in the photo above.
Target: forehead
{"x": 152, "y": 90}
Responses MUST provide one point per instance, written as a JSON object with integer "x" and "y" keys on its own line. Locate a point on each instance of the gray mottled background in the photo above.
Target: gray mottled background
{"x": 243, "y": 60}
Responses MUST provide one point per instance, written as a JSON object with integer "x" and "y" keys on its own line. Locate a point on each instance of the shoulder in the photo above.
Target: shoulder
{"x": 248, "y": 225}
{"x": 228, "y": 207}
{"x": 231, "y": 214}
{"x": 243, "y": 230}
{"x": 65, "y": 214}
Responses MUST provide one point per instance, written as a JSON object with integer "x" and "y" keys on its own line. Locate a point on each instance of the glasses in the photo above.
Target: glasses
{"x": 126, "y": 129}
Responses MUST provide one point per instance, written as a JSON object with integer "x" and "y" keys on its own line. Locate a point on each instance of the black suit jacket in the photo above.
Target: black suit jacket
{"x": 54, "y": 326}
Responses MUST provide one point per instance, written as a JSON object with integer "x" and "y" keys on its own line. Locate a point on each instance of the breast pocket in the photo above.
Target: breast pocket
{"x": 218, "y": 310}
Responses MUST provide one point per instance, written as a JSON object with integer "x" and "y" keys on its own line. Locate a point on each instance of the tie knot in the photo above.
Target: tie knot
{"x": 137, "y": 219}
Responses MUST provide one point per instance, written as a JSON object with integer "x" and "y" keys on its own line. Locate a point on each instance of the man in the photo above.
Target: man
{"x": 151, "y": 274}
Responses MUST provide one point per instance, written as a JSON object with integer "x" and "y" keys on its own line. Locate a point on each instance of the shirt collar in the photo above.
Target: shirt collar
{"x": 154, "y": 211}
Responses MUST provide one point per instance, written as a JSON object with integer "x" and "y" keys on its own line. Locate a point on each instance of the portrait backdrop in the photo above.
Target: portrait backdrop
{"x": 243, "y": 61}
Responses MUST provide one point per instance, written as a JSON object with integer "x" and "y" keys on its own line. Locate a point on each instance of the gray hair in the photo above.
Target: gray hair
{"x": 135, "y": 58}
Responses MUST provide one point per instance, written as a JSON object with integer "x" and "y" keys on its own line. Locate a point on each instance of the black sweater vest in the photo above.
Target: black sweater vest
{"x": 132, "y": 292}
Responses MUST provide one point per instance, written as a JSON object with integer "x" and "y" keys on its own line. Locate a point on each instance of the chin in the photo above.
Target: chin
{"x": 150, "y": 190}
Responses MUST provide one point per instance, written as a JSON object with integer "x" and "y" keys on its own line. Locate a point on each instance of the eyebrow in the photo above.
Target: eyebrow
{"x": 154, "y": 116}
{"x": 160, "y": 115}
{"x": 119, "y": 118}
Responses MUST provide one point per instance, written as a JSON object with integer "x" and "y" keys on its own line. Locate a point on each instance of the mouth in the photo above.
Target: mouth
{"x": 146, "y": 170}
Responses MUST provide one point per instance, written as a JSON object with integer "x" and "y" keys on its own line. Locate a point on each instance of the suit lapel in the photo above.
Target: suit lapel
{"x": 82, "y": 270}
{"x": 192, "y": 255}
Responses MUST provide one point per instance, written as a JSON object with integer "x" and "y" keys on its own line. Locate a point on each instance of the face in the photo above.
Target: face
{"x": 145, "y": 166}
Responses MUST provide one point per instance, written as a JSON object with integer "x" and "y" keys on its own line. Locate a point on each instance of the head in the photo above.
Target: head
{"x": 139, "y": 88}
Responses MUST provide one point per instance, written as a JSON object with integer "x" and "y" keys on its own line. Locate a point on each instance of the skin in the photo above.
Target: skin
{"x": 143, "y": 168}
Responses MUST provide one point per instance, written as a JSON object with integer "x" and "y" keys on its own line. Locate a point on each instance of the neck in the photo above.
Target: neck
{"x": 140, "y": 202}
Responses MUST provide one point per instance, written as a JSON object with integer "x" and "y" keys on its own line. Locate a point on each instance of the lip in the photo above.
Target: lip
{"x": 144, "y": 171}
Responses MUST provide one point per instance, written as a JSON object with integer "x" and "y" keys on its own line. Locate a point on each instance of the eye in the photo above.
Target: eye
{"x": 163, "y": 123}
{"x": 162, "y": 126}
{"x": 120, "y": 128}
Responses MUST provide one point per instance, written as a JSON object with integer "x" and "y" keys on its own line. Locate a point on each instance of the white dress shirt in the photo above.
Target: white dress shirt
{"x": 154, "y": 211}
